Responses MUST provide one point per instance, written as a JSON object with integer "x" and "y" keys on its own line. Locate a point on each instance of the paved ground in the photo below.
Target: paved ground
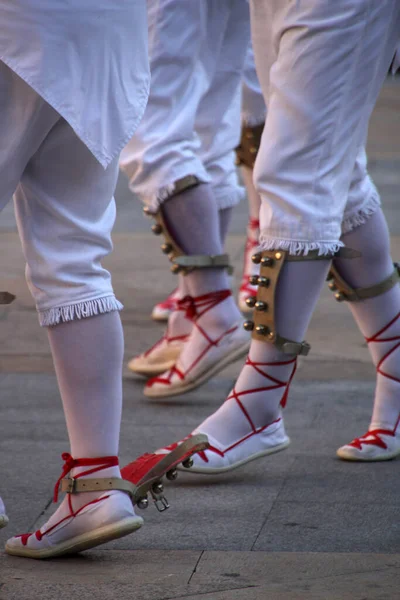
{"x": 299, "y": 525}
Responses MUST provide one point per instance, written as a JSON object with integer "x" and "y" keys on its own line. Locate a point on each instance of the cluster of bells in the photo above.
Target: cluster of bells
{"x": 157, "y": 489}
{"x": 166, "y": 248}
{"x": 252, "y": 302}
{"x": 340, "y": 297}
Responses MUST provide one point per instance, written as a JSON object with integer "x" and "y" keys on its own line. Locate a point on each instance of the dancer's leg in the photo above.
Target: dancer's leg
{"x": 378, "y": 318}
{"x": 75, "y": 300}
{"x": 301, "y": 210}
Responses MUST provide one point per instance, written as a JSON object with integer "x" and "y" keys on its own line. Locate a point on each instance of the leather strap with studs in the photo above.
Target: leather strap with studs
{"x": 76, "y": 486}
{"x": 264, "y": 326}
{"x": 344, "y": 292}
{"x": 250, "y": 140}
{"x": 6, "y": 298}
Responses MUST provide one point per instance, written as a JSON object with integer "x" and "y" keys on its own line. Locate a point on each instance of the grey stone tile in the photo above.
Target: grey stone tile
{"x": 331, "y": 527}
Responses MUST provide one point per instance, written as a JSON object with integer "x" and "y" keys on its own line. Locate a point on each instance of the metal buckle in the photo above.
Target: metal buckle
{"x": 160, "y": 501}
{"x": 71, "y": 484}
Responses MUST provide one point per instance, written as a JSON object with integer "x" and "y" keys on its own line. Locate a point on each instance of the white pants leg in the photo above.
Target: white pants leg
{"x": 253, "y": 104}
{"x": 321, "y": 66}
{"x": 65, "y": 212}
{"x": 189, "y": 127}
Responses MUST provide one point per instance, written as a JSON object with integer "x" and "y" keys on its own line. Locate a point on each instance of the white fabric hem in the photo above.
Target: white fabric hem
{"x": 80, "y": 310}
{"x": 295, "y": 247}
{"x": 230, "y": 199}
{"x": 251, "y": 120}
{"x": 361, "y": 216}
{"x": 154, "y": 199}
{"x": 102, "y": 154}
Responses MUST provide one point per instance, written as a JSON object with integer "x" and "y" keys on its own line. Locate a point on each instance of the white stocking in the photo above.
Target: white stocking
{"x": 88, "y": 356}
{"x": 250, "y": 405}
{"x": 375, "y": 314}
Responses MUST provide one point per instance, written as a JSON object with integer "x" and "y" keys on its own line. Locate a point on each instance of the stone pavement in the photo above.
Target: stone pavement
{"x": 300, "y": 525}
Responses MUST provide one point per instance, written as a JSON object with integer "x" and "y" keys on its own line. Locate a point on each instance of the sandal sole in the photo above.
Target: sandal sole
{"x": 82, "y": 542}
{"x": 204, "y": 471}
{"x": 3, "y": 521}
{"x": 171, "y": 461}
{"x": 202, "y": 378}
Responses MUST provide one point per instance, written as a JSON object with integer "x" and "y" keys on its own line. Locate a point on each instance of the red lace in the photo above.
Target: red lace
{"x": 194, "y": 309}
{"x": 178, "y": 305}
{"x": 251, "y": 244}
{"x": 276, "y": 384}
{"x": 169, "y": 302}
{"x": 99, "y": 463}
{"x": 374, "y": 434}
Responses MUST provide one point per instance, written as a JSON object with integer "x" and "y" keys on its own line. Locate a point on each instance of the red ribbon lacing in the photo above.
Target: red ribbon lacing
{"x": 374, "y": 434}
{"x": 99, "y": 463}
{"x": 194, "y": 309}
{"x": 276, "y": 384}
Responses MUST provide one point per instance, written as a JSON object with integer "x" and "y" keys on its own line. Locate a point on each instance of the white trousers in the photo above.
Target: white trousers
{"x": 321, "y": 65}
{"x": 253, "y": 104}
{"x": 64, "y": 205}
{"x": 191, "y": 125}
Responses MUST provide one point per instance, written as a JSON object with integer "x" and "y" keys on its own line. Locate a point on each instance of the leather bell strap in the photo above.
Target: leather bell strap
{"x": 344, "y": 292}
{"x": 71, "y": 485}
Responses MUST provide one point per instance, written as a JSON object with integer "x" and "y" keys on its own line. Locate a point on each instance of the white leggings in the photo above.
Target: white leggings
{"x": 64, "y": 205}
{"x": 321, "y": 65}
{"x": 191, "y": 124}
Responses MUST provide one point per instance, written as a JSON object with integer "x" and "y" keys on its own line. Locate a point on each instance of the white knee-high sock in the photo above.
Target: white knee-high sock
{"x": 250, "y": 405}
{"x": 374, "y": 314}
{"x": 225, "y": 216}
{"x": 193, "y": 220}
{"x": 88, "y": 355}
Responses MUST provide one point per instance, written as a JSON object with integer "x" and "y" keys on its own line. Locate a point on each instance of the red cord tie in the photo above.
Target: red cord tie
{"x": 99, "y": 463}
{"x": 188, "y": 305}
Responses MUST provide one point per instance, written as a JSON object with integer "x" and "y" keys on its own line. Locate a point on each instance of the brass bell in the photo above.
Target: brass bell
{"x": 166, "y": 248}
{"x": 248, "y": 325}
{"x": 262, "y": 306}
{"x": 256, "y": 258}
{"x": 263, "y": 281}
{"x": 253, "y": 279}
{"x": 267, "y": 261}
{"x": 278, "y": 255}
{"x": 147, "y": 211}
{"x": 157, "y": 229}
{"x": 340, "y": 297}
{"x": 262, "y": 330}
{"x": 176, "y": 269}
{"x": 253, "y": 150}
{"x": 332, "y": 286}
{"x": 251, "y": 301}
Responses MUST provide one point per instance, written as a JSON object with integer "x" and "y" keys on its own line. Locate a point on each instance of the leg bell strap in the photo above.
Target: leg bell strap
{"x": 264, "y": 326}
{"x": 250, "y": 140}
{"x": 344, "y": 292}
{"x": 184, "y": 263}
{"x": 76, "y": 486}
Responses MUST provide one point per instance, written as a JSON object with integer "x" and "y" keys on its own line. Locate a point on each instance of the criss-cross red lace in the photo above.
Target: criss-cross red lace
{"x": 372, "y": 437}
{"x": 70, "y": 463}
{"x": 194, "y": 309}
{"x": 178, "y": 305}
{"x": 275, "y": 384}
{"x": 251, "y": 245}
